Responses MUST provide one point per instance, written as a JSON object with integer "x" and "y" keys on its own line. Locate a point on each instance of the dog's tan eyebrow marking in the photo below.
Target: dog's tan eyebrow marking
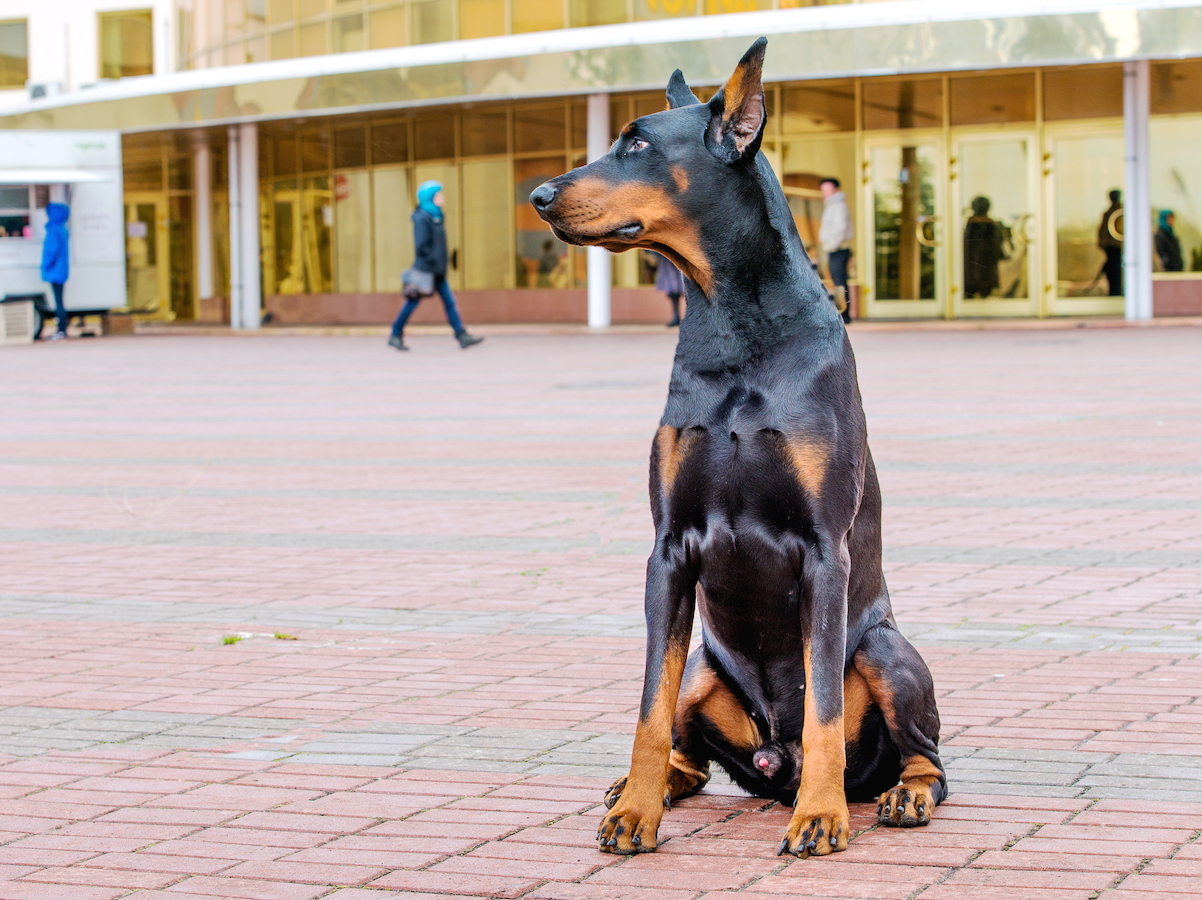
{"x": 681, "y": 177}
{"x": 627, "y": 129}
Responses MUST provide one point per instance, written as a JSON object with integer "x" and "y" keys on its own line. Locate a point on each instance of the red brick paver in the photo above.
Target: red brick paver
{"x": 455, "y": 541}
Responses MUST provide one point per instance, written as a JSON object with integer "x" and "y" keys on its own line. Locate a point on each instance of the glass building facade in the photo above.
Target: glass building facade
{"x": 979, "y": 190}
{"x": 230, "y": 32}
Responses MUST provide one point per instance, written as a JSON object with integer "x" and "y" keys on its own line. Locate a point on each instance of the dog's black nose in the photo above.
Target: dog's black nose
{"x": 542, "y": 196}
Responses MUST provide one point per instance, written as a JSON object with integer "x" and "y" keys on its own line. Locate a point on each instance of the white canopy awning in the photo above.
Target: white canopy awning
{"x": 51, "y": 176}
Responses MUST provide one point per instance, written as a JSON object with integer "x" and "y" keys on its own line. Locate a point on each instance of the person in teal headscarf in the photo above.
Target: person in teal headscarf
{"x": 1168, "y": 247}
{"x": 430, "y": 246}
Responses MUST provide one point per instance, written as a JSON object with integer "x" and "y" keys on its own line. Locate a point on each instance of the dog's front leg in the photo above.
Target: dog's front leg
{"x": 637, "y": 801}
{"x": 820, "y": 823}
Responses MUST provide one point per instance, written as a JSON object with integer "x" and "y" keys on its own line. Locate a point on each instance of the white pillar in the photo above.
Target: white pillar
{"x": 599, "y": 262}
{"x": 1137, "y": 202}
{"x": 202, "y": 215}
{"x": 252, "y": 269}
{"x": 233, "y": 164}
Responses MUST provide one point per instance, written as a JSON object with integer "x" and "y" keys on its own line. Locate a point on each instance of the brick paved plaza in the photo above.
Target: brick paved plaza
{"x": 456, "y": 541}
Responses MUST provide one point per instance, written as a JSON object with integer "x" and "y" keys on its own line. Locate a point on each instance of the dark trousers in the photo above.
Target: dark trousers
{"x": 1113, "y": 269}
{"x": 60, "y": 311}
{"x": 837, "y": 262}
{"x": 448, "y": 303}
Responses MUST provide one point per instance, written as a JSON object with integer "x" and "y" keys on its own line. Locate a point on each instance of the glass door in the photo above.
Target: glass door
{"x": 147, "y": 276}
{"x": 1084, "y": 172}
{"x": 994, "y": 213}
{"x": 905, "y": 247}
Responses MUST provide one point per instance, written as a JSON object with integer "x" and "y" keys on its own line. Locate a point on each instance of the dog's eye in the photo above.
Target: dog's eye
{"x": 636, "y": 145}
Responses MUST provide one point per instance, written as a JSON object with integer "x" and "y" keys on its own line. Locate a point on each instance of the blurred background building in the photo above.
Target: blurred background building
{"x": 271, "y": 148}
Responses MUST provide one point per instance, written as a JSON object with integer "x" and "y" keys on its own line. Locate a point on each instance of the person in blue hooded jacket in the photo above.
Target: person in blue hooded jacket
{"x": 1168, "y": 247}
{"x": 56, "y": 262}
{"x": 430, "y": 245}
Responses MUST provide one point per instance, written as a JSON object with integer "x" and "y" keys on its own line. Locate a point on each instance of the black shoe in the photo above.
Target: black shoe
{"x": 466, "y": 340}
{"x": 397, "y": 341}
{"x": 675, "y": 323}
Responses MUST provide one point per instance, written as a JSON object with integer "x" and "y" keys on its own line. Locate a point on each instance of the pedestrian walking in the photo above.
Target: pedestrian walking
{"x": 430, "y": 246}
{"x": 837, "y": 234}
{"x": 668, "y": 280}
{"x": 1168, "y": 247}
{"x": 56, "y": 261}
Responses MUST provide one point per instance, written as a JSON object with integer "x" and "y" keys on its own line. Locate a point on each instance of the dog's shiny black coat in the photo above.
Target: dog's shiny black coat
{"x": 766, "y": 504}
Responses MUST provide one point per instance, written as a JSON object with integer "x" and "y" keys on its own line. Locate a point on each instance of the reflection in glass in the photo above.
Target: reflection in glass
{"x": 317, "y": 204}
{"x": 1177, "y": 87}
{"x": 903, "y": 104}
{"x": 392, "y": 230}
{"x": 903, "y": 205}
{"x": 996, "y": 218}
{"x": 179, "y": 232}
{"x": 288, "y": 275}
{"x": 1176, "y": 182}
{"x": 352, "y": 218}
{"x": 992, "y": 99}
{"x": 141, "y": 257}
{"x": 804, "y": 163}
{"x": 485, "y": 221}
{"x": 1088, "y": 230}
{"x": 542, "y": 260}
{"x": 1082, "y": 92}
{"x": 819, "y": 106}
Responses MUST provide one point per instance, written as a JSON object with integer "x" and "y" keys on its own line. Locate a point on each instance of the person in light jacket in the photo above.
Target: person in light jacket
{"x": 56, "y": 261}
{"x": 430, "y": 244}
{"x": 836, "y": 234}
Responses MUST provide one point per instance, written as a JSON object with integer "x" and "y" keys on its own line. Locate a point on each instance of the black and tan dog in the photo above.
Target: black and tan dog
{"x": 765, "y": 500}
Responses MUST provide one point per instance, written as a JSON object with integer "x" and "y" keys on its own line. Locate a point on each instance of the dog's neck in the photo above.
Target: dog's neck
{"x": 764, "y": 290}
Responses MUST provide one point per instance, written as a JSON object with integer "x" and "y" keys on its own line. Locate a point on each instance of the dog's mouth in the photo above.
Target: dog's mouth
{"x": 622, "y": 234}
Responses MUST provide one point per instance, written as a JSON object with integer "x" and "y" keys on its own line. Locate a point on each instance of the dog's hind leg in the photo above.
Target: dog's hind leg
{"x": 900, "y": 683}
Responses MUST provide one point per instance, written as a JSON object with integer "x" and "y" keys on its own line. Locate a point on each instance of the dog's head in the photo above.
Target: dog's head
{"x": 666, "y": 173}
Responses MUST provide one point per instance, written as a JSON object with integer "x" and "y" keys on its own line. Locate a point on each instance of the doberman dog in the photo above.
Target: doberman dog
{"x": 764, "y": 496}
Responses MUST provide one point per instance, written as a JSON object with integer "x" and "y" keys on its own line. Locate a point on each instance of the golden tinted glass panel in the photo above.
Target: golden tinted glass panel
{"x": 916, "y": 103}
{"x": 819, "y": 106}
{"x": 1082, "y": 92}
{"x": 1177, "y": 87}
{"x": 992, "y": 99}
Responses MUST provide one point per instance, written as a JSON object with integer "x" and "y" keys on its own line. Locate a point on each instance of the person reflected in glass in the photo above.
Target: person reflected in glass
{"x": 1110, "y": 241}
{"x": 837, "y": 235}
{"x": 547, "y": 263}
{"x": 1168, "y": 247}
{"x": 984, "y": 250}
{"x": 430, "y": 247}
{"x": 669, "y": 281}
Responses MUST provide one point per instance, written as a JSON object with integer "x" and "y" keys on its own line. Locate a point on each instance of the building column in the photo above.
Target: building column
{"x": 599, "y": 263}
{"x": 202, "y": 216}
{"x": 252, "y": 268}
{"x": 1137, "y": 204}
{"x": 233, "y": 164}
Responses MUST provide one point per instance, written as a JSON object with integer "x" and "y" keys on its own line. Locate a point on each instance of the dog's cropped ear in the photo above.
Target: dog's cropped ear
{"x": 679, "y": 93}
{"x": 737, "y": 113}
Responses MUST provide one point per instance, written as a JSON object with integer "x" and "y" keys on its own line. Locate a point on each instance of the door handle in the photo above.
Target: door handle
{"x": 920, "y": 230}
